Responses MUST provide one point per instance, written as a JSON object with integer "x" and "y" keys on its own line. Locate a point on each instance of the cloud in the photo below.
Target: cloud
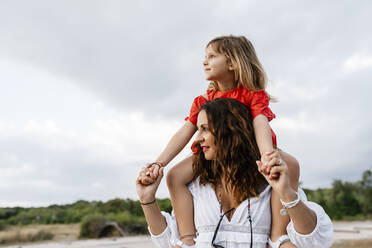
{"x": 58, "y": 165}
{"x": 91, "y": 91}
{"x": 357, "y": 62}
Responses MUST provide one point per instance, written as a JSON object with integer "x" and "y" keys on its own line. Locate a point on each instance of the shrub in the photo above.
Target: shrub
{"x": 92, "y": 225}
{"x": 3, "y": 225}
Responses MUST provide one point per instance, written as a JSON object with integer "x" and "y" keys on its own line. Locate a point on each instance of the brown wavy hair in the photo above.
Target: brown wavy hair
{"x": 236, "y": 150}
{"x": 240, "y": 53}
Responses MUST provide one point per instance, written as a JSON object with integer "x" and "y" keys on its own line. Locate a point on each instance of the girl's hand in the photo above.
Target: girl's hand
{"x": 146, "y": 191}
{"x": 265, "y": 159}
{"x": 151, "y": 172}
{"x": 154, "y": 170}
{"x": 277, "y": 166}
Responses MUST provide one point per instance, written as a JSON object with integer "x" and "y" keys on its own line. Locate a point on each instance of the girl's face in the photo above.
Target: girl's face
{"x": 215, "y": 65}
{"x": 205, "y": 137}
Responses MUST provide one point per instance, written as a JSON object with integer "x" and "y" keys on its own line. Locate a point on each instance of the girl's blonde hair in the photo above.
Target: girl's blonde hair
{"x": 240, "y": 52}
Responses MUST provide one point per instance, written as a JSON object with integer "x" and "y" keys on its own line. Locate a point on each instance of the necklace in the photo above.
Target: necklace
{"x": 222, "y": 214}
{"x": 220, "y": 202}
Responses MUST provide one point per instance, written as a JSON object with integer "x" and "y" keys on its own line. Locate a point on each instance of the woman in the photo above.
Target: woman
{"x": 230, "y": 193}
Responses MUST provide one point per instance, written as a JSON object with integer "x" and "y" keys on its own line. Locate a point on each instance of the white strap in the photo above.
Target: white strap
{"x": 281, "y": 240}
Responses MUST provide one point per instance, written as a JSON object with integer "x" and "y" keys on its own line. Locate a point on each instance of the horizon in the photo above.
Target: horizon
{"x": 91, "y": 92}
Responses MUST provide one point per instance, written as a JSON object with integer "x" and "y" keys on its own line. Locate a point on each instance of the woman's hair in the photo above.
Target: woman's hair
{"x": 240, "y": 52}
{"x": 230, "y": 122}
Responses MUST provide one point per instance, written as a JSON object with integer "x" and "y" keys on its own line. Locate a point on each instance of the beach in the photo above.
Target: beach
{"x": 127, "y": 242}
{"x": 343, "y": 231}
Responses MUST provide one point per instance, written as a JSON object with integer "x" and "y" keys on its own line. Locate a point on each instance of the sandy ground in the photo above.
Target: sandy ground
{"x": 343, "y": 231}
{"x": 355, "y": 230}
{"x": 129, "y": 242}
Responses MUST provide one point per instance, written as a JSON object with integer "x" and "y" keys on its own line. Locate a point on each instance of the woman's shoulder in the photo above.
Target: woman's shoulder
{"x": 197, "y": 189}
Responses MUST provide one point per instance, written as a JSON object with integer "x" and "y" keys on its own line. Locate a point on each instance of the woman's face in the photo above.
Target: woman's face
{"x": 205, "y": 137}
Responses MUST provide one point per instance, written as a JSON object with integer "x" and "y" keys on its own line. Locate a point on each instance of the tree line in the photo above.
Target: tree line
{"x": 344, "y": 200}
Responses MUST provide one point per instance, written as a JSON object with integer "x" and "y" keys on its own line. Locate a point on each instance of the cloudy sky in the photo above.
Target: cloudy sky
{"x": 92, "y": 90}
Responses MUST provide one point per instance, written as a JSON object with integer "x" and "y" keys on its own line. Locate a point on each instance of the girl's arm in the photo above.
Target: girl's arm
{"x": 262, "y": 133}
{"x": 177, "y": 143}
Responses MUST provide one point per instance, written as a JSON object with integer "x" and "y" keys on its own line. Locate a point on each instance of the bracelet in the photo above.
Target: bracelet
{"x": 158, "y": 163}
{"x": 148, "y": 203}
{"x": 188, "y": 235}
{"x": 282, "y": 239}
{"x": 291, "y": 204}
{"x": 175, "y": 242}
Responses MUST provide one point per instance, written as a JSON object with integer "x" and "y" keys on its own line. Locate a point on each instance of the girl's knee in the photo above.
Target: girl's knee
{"x": 293, "y": 169}
{"x": 181, "y": 174}
{"x": 294, "y": 166}
{"x": 172, "y": 177}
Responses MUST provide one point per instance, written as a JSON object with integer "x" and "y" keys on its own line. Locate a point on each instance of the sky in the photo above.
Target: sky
{"x": 93, "y": 90}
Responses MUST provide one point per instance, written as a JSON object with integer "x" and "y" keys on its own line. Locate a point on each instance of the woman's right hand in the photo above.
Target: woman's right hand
{"x": 147, "y": 192}
{"x": 280, "y": 183}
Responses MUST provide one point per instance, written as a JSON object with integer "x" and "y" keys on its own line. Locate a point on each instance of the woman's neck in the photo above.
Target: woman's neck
{"x": 226, "y": 199}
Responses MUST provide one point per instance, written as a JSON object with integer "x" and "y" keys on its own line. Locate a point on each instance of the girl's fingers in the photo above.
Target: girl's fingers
{"x": 273, "y": 162}
{"x": 155, "y": 170}
{"x": 277, "y": 169}
{"x": 261, "y": 168}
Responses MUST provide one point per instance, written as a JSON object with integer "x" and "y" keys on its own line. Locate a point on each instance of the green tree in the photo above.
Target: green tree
{"x": 343, "y": 201}
{"x": 365, "y": 193}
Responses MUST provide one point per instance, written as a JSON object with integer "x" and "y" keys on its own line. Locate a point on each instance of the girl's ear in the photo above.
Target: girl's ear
{"x": 231, "y": 66}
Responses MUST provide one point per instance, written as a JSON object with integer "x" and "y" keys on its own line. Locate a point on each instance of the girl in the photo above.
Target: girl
{"x": 235, "y": 72}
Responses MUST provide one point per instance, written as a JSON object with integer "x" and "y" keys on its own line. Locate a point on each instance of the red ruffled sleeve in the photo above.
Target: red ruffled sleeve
{"x": 194, "y": 111}
{"x": 260, "y": 105}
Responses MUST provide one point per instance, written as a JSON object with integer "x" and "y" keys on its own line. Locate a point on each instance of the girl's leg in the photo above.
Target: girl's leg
{"x": 278, "y": 222}
{"x": 177, "y": 178}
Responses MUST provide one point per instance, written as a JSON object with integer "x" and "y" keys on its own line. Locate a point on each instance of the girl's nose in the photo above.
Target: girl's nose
{"x": 205, "y": 62}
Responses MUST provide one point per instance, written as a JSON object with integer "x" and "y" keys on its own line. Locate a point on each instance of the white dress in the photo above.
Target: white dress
{"x": 236, "y": 232}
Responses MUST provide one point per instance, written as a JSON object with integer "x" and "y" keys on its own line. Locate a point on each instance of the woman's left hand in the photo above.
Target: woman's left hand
{"x": 147, "y": 192}
{"x": 277, "y": 166}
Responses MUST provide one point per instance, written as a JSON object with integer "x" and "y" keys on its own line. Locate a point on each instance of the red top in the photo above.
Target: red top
{"x": 256, "y": 101}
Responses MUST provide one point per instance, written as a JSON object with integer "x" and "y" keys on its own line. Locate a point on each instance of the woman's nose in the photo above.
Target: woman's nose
{"x": 198, "y": 138}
